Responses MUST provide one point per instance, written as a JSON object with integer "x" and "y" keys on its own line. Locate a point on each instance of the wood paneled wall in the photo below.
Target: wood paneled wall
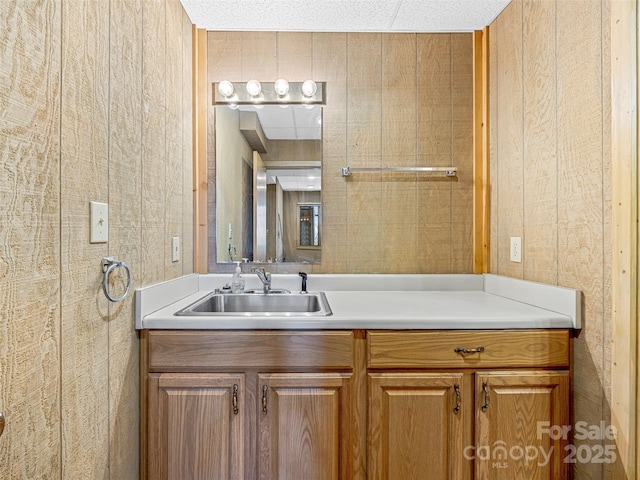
{"x": 392, "y": 100}
{"x": 551, "y": 168}
{"x": 96, "y": 105}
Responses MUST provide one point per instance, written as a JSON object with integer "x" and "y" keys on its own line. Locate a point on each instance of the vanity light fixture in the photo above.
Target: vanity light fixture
{"x": 254, "y": 88}
{"x": 280, "y": 92}
{"x": 281, "y": 87}
{"x": 226, "y": 89}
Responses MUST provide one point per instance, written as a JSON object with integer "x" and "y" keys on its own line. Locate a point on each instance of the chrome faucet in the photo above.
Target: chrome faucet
{"x": 265, "y": 278}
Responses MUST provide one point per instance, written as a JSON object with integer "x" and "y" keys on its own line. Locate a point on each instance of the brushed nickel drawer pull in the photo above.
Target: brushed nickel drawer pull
{"x": 469, "y": 351}
{"x": 264, "y": 399}
{"x": 235, "y": 399}
{"x": 456, "y": 388}
{"x": 485, "y": 396}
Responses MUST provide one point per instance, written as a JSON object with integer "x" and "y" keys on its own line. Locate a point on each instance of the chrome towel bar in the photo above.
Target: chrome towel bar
{"x": 446, "y": 171}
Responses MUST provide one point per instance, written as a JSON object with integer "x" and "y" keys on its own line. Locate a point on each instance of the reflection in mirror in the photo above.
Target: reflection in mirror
{"x": 309, "y": 218}
{"x": 268, "y": 162}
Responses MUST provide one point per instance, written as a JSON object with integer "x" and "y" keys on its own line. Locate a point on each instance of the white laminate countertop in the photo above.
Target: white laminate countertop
{"x": 394, "y": 302}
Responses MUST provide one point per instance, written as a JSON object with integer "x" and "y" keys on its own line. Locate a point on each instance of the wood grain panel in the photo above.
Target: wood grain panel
{"x": 84, "y": 170}
{"x": 201, "y": 349}
{"x": 566, "y": 94}
{"x": 30, "y": 397}
{"x": 70, "y": 133}
{"x": 510, "y": 135}
{"x": 435, "y": 349}
{"x": 493, "y": 86}
{"x": 154, "y": 105}
{"x": 294, "y": 56}
{"x": 174, "y": 173}
{"x": 259, "y": 53}
{"x": 581, "y": 248}
{"x": 540, "y": 140}
{"x": 187, "y": 240}
{"x": 125, "y": 235}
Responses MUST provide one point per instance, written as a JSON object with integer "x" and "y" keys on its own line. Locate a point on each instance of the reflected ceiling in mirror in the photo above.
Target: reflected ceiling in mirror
{"x": 268, "y": 160}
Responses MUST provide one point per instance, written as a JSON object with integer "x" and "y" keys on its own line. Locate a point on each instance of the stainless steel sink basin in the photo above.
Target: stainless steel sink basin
{"x": 254, "y": 304}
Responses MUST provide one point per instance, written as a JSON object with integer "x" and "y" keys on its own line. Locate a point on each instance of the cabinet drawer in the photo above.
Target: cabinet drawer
{"x": 436, "y": 349}
{"x": 173, "y": 350}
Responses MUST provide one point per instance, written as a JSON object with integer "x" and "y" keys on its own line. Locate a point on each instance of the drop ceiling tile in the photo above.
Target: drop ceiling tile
{"x": 446, "y": 15}
{"x": 344, "y": 15}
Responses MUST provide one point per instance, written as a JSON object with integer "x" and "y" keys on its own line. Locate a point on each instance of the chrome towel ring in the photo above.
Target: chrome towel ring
{"x": 109, "y": 264}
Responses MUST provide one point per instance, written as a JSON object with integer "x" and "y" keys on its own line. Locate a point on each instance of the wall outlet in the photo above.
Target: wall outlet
{"x": 516, "y": 249}
{"x": 99, "y": 219}
{"x": 175, "y": 249}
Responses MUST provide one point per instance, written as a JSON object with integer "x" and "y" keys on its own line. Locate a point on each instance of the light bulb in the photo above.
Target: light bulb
{"x": 254, "y": 88}
{"x": 225, "y": 88}
{"x": 281, "y": 87}
{"x": 309, "y": 88}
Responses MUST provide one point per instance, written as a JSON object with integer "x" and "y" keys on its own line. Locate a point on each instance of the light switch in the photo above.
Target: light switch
{"x": 99, "y": 219}
{"x": 175, "y": 249}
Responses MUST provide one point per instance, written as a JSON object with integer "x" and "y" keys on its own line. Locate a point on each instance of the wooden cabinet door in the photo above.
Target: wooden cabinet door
{"x": 416, "y": 426}
{"x": 304, "y": 426}
{"x": 195, "y": 424}
{"x": 515, "y": 411}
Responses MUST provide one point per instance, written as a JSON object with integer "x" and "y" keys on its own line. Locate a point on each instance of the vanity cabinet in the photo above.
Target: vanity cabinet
{"x": 464, "y": 404}
{"x": 251, "y": 405}
{"x": 354, "y": 405}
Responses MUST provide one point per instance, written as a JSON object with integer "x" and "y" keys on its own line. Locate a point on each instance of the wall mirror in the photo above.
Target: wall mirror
{"x": 268, "y": 164}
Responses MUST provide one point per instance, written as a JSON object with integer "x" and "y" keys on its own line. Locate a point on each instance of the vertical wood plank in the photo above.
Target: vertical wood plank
{"x": 201, "y": 106}
{"x": 624, "y": 150}
{"x": 481, "y": 150}
{"x": 399, "y": 128}
{"x": 294, "y": 59}
{"x": 434, "y": 146}
{"x": 540, "y": 261}
{"x": 125, "y": 233}
{"x": 364, "y": 146}
{"x": 84, "y": 177}
{"x": 510, "y": 135}
{"x": 462, "y": 152}
{"x": 330, "y": 65}
{"x": 154, "y": 106}
{"x": 174, "y": 170}
{"x": 186, "y": 119}
{"x": 494, "y": 88}
{"x": 581, "y": 246}
{"x": 30, "y": 240}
